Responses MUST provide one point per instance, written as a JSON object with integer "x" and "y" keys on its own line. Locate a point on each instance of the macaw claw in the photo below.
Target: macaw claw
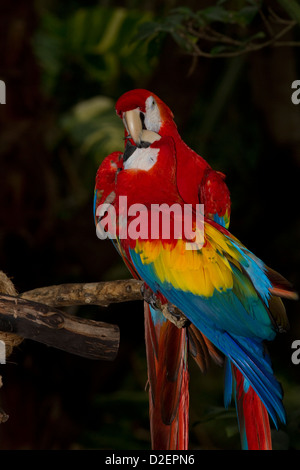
{"x": 169, "y": 311}
{"x": 150, "y": 297}
{"x": 174, "y": 315}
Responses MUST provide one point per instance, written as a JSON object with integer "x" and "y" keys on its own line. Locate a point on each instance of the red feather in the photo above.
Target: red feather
{"x": 253, "y": 416}
{"x": 168, "y": 384}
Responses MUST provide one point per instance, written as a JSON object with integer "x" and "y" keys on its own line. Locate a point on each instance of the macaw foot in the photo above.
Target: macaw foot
{"x": 150, "y": 297}
{"x": 175, "y": 315}
{"x": 172, "y": 313}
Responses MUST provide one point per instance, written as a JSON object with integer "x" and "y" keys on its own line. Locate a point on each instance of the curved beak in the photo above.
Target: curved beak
{"x": 133, "y": 124}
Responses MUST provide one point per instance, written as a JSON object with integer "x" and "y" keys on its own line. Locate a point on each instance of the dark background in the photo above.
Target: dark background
{"x": 237, "y": 113}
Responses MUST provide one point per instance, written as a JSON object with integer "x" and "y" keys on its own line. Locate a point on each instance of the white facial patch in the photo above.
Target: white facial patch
{"x": 142, "y": 159}
{"x": 152, "y": 115}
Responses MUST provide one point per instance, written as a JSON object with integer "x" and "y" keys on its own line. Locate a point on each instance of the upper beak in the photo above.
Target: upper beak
{"x": 133, "y": 124}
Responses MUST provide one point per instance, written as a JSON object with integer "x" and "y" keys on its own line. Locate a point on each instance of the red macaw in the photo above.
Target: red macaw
{"x": 223, "y": 289}
{"x": 166, "y": 345}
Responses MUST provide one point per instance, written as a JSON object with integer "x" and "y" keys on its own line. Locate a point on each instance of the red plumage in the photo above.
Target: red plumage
{"x": 168, "y": 384}
{"x": 165, "y": 344}
{"x": 253, "y": 416}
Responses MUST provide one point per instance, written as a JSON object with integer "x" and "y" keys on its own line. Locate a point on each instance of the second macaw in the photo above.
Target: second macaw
{"x": 223, "y": 289}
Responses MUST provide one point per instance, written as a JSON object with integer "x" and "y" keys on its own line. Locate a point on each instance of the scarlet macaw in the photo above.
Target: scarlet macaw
{"x": 166, "y": 345}
{"x": 223, "y": 289}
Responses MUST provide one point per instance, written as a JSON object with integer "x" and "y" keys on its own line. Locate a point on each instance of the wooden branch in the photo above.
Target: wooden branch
{"x": 95, "y": 293}
{"x": 21, "y": 316}
{"x": 103, "y": 294}
{"x": 34, "y": 315}
{"x": 45, "y": 324}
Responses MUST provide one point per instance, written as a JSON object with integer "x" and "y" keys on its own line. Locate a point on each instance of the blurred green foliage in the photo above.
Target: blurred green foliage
{"x": 77, "y": 58}
{"x": 95, "y": 45}
{"x": 186, "y": 25}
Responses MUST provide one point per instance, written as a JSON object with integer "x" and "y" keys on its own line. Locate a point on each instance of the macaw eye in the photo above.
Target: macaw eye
{"x": 150, "y": 103}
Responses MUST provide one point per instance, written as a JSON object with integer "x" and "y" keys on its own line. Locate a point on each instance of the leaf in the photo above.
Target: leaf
{"x": 180, "y": 41}
{"x": 155, "y": 45}
{"x": 259, "y": 35}
{"x": 246, "y": 15}
{"x": 93, "y": 126}
{"x": 147, "y": 30}
{"x": 96, "y": 43}
{"x": 184, "y": 11}
{"x": 111, "y": 31}
{"x": 217, "y": 13}
{"x": 182, "y": 14}
{"x": 255, "y": 3}
{"x": 218, "y": 49}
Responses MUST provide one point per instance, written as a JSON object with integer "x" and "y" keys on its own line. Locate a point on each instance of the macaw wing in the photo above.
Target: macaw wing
{"x": 105, "y": 183}
{"x": 105, "y": 195}
{"x": 214, "y": 194}
{"x": 225, "y": 293}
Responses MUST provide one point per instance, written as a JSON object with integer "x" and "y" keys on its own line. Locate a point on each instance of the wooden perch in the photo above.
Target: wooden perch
{"x": 46, "y": 324}
{"x": 95, "y": 293}
{"x": 102, "y": 294}
{"x": 34, "y": 315}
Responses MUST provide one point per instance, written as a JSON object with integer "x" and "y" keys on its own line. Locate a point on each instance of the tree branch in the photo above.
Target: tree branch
{"x": 34, "y": 315}
{"x": 95, "y": 293}
{"x": 47, "y": 325}
{"x": 248, "y": 47}
{"x": 239, "y": 47}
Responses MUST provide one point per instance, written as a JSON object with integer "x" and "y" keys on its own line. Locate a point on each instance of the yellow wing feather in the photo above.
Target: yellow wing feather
{"x": 198, "y": 271}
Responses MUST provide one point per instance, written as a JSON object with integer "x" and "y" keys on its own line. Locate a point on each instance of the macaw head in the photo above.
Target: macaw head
{"x": 146, "y": 117}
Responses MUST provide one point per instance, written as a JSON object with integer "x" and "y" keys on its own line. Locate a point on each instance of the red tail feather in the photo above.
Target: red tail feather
{"x": 166, "y": 350}
{"x": 253, "y": 417}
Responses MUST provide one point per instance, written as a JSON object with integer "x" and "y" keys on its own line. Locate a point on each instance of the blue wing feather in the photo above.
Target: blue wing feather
{"x": 220, "y": 314}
